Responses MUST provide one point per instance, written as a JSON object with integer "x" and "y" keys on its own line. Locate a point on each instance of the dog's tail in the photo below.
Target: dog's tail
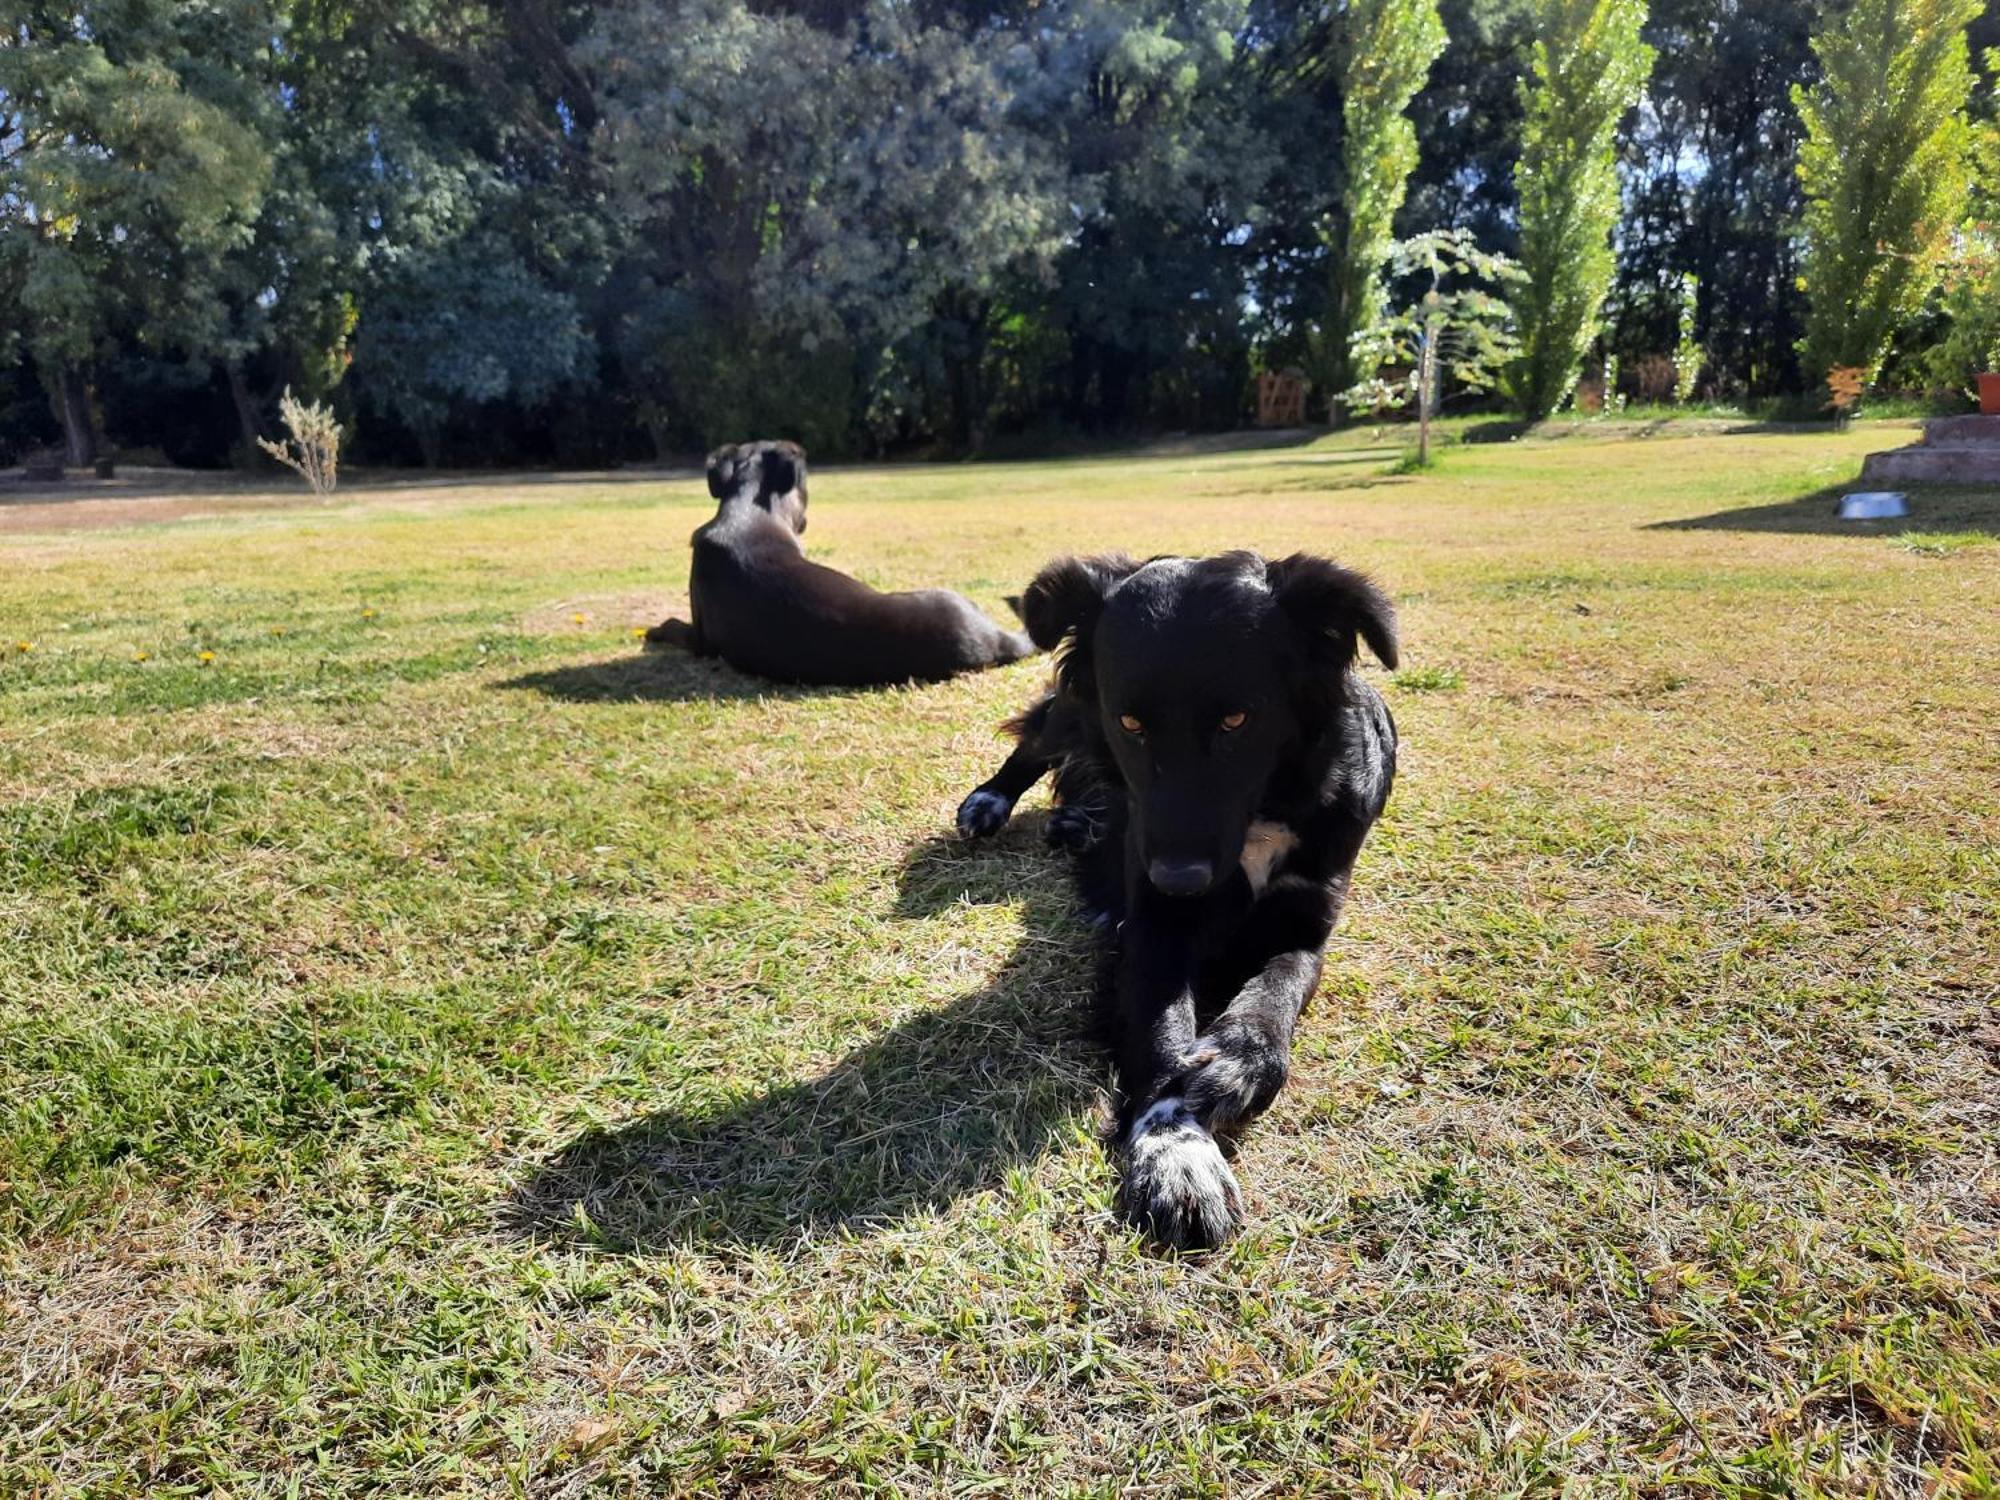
{"x": 1014, "y": 645}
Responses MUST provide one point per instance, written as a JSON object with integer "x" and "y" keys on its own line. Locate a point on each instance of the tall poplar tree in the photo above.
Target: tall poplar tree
{"x": 1886, "y": 171}
{"x": 1387, "y": 48}
{"x": 1588, "y": 68}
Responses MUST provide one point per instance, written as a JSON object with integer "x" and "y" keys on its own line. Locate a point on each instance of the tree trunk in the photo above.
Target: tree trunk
{"x": 657, "y": 431}
{"x": 73, "y": 398}
{"x": 246, "y": 415}
{"x": 1426, "y": 374}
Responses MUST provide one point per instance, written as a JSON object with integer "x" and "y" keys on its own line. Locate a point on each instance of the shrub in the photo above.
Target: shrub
{"x": 314, "y": 445}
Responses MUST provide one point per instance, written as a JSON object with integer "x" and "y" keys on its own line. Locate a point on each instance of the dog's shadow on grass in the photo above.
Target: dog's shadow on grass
{"x": 665, "y": 675}
{"x": 940, "y": 1105}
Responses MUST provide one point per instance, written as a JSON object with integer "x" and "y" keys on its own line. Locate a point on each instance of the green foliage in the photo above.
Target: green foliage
{"x": 1387, "y": 48}
{"x": 1971, "y": 285}
{"x": 550, "y": 230}
{"x": 1429, "y": 679}
{"x": 468, "y": 327}
{"x": 127, "y": 149}
{"x": 1588, "y": 68}
{"x": 1459, "y": 327}
{"x": 1688, "y": 354}
{"x": 1709, "y": 189}
{"x": 874, "y": 174}
{"x": 1885, "y": 170}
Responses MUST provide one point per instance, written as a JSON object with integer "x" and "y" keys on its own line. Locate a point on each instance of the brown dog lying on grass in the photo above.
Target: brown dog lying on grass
{"x": 763, "y": 608}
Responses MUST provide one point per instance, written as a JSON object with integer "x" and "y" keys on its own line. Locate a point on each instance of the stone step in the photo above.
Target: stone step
{"x": 1957, "y": 463}
{"x": 1953, "y": 432}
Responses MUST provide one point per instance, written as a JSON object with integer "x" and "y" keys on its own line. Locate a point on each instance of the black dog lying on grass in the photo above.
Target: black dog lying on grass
{"x": 759, "y": 605}
{"x": 1218, "y": 764}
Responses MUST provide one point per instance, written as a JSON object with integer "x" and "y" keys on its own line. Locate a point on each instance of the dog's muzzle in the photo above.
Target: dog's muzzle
{"x": 1181, "y": 877}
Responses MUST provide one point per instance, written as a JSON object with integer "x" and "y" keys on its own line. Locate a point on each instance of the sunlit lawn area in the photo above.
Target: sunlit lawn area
{"x": 445, "y": 1051}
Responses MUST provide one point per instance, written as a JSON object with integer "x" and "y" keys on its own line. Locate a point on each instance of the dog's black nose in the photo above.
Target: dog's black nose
{"x": 1181, "y": 877}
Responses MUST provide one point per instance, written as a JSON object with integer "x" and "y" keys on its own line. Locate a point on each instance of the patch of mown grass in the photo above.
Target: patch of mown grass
{"x": 1429, "y": 679}
{"x": 552, "y": 1070}
{"x": 1941, "y": 543}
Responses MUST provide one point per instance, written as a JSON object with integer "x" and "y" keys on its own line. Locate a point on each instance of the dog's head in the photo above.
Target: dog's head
{"x": 772, "y": 474}
{"x": 1205, "y": 677}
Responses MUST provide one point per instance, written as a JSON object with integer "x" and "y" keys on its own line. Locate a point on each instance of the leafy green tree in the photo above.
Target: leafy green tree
{"x": 1588, "y": 68}
{"x": 1711, "y": 190}
{"x": 1386, "y": 50}
{"x": 463, "y": 328}
{"x": 1970, "y": 275}
{"x": 1169, "y": 161}
{"x": 1460, "y": 327}
{"x": 798, "y": 196}
{"x": 1688, "y": 353}
{"x": 1468, "y": 123}
{"x": 120, "y": 156}
{"x": 1886, "y": 171}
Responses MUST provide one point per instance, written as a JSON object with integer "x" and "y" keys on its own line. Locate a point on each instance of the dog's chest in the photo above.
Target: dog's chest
{"x": 1266, "y": 847}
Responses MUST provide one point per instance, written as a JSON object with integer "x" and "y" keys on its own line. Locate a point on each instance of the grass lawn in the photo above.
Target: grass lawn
{"x": 445, "y": 1052}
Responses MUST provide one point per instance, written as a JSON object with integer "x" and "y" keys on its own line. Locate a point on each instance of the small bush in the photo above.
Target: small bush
{"x": 314, "y": 448}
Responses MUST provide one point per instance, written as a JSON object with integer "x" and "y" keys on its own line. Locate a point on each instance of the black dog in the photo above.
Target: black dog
{"x": 1218, "y": 763}
{"x": 759, "y": 605}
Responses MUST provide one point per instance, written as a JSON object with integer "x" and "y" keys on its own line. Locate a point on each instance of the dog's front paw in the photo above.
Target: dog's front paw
{"x": 670, "y": 633}
{"x": 1177, "y": 1188}
{"x": 1232, "y": 1076}
{"x": 983, "y": 814}
{"x": 1073, "y": 828}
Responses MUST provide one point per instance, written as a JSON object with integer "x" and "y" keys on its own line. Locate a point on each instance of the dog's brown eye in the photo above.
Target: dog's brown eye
{"x": 1234, "y": 721}
{"x": 1130, "y": 724}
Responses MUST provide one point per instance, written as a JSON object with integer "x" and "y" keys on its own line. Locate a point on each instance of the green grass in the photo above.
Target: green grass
{"x": 449, "y": 1053}
{"x": 1942, "y": 543}
{"x": 1436, "y": 679}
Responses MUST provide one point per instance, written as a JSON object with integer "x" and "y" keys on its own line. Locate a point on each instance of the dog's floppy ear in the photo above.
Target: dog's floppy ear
{"x": 781, "y": 469}
{"x": 1333, "y": 608}
{"x": 722, "y": 466}
{"x": 1068, "y": 594}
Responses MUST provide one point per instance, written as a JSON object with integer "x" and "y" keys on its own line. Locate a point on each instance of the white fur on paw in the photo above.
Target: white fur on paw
{"x": 982, "y": 813}
{"x": 1177, "y": 1185}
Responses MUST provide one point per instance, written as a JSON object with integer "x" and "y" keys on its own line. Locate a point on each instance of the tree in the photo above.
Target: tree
{"x": 1386, "y": 51}
{"x": 1711, "y": 190}
{"x": 120, "y": 155}
{"x": 1688, "y": 353}
{"x": 1588, "y": 68}
{"x": 1468, "y": 123}
{"x": 467, "y": 327}
{"x": 1886, "y": 171}
{"x": 1459, "y": 326}
{"x": 798, "y": 197}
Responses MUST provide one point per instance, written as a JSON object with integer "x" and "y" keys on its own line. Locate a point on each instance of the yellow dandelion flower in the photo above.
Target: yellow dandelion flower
{"x": 638, "y": 632}
{"x": 367, "y": 614}
{"x": 24, "y": 645}
{"x": 205, "y": 657}
{"x": 141, "y": 655}
{"x": 579, "y": 619}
